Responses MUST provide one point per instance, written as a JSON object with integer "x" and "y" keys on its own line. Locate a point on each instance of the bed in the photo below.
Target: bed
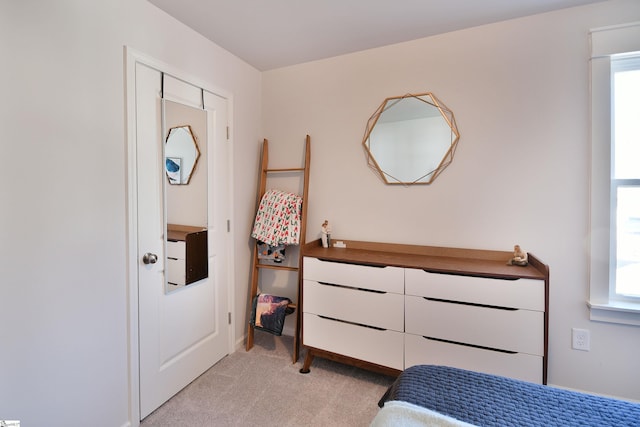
{"x": 444, "y": 396}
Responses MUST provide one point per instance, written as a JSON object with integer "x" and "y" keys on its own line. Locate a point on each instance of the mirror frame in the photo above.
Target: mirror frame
{"x": 447, "y": 115}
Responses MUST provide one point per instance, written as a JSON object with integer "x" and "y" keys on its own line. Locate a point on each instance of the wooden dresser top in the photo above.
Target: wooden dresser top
{"x": 472, "y": 262}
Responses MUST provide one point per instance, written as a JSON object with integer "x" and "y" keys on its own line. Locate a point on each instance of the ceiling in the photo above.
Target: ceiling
{"x": 271, "y": 34}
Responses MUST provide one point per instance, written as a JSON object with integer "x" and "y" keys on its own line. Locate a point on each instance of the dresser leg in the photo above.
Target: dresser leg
{"x": 307, "y": 362}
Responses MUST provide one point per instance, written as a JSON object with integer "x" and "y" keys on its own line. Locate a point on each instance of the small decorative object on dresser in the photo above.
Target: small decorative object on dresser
{"x": 520, "y": 257}
{"x": 326, "y": 234}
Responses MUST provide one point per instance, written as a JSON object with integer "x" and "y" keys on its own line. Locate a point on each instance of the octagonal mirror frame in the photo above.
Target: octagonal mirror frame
{"x": 411, "y": 139}
{"x": 181, "y": 155}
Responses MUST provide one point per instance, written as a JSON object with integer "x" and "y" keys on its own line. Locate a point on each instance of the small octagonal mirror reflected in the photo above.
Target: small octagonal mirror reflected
{"x": 411, "y": 139}
{"x": 180, "y": 155}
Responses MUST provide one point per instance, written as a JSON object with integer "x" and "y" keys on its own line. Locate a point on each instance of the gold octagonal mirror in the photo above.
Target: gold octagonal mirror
{"x": 411, "y": 139}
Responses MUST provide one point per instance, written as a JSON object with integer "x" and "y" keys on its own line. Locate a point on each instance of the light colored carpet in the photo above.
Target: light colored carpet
{"x": 263, "y": 388}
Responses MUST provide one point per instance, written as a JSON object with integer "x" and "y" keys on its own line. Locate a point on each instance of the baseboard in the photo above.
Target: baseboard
{"x": 288, "y": 330}
{"x": 240, "y": 343}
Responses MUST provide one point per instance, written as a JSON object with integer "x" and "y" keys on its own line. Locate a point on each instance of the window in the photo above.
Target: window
{"x": 625, "y": 178}
{"x": 615, "y": 175}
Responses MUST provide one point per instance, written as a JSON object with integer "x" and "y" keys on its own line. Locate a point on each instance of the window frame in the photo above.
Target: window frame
{"x": 619, "y": 63}
{"x": 606, "y": 43}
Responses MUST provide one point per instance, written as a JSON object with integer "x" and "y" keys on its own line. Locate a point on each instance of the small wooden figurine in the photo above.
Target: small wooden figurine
{"x": 520, "y": 257}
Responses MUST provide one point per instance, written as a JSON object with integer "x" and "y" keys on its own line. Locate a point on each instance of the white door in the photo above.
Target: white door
{"x": 183, "y": 332}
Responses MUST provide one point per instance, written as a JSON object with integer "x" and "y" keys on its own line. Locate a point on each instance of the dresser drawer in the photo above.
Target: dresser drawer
{"x": 520, "y": 293}
{"x": 382, "y": 347}
{"x": 373, "y": 308}
{"x": 175, "y": 271}
{"x": 386, "y": 279}
{"x": 420, "y": 350}
{"x": 176, "y": 249}
{"x": 514, "y": 330}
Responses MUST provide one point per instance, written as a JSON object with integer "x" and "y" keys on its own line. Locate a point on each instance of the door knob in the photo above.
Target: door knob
{"x": 149, "y": 258}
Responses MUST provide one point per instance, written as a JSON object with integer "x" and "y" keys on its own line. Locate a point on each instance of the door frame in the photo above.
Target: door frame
{"x": 131, "y": 58}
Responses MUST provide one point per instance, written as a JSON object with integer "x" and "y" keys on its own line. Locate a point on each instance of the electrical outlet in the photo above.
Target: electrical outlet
{"x": 580, "y": 339}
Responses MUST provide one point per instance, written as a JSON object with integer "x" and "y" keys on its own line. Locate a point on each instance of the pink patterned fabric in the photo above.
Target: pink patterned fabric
{"x": 278, "y": 218}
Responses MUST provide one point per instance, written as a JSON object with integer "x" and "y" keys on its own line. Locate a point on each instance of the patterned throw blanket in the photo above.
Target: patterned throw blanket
{"x": 278, "y": 219}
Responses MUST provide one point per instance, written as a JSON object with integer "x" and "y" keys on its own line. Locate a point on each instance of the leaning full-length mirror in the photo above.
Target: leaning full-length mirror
{"x": 185, "y": 190}
{"x": 411, "y": 139}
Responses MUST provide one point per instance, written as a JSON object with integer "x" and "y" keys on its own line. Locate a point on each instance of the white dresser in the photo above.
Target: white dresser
{"x": 387, "y": 307}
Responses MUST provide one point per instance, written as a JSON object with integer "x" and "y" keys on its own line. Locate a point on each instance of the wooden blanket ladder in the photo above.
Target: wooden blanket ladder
{"x": 256, "y": 265}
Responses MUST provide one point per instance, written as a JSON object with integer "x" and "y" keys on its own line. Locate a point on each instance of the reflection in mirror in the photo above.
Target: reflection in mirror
{"x": 180, "y": 155}
{"x": 186, "y": 235}
{"x": 411, "y": 139}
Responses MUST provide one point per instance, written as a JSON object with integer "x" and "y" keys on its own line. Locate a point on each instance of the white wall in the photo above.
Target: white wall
{"x": 63, "y": 332}
{"x": 520, "y": 93}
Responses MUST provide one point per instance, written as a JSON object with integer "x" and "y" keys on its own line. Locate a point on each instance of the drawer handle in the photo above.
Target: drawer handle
{"x": 471, "y": 345}
{"x": 496, "y": 307}
{"x": 511, "y": 279}
{"x": 351, "y": 323}
{"x": 352, "y": 287}
{"x": 350, "y": 263}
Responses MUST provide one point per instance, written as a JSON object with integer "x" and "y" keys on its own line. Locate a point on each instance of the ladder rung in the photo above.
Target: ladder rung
{"x": 277, "y": 267}
{"x": 284, "y": 170}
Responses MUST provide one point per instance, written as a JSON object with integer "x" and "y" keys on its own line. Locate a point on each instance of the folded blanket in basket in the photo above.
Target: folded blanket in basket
{"x": 278, "y": 219}
{"x": 269, "y": 312}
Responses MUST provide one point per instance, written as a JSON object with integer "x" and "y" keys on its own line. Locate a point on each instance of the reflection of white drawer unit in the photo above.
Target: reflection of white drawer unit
{"x": 484, "y": 324}
{"x": 389, "y": 306}
{"x": 187, "y": 260}
{"x": 176, "y": 266}
{"x": 355, "y": 311}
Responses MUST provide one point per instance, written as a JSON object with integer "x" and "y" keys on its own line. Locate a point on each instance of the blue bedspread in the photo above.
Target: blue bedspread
{"x": 488, "y": 400}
